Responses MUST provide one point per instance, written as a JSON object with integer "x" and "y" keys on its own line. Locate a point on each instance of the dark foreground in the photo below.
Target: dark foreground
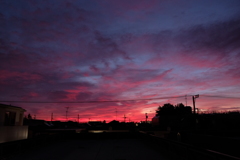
{"x": 95, "y": 147}
{"x": 109, "y": 149}
{"x": 105, "y": 146}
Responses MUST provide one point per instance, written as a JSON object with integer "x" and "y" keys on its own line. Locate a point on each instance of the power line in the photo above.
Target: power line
{"x": 126, "y": 100}
{"x": 219, "y": 96}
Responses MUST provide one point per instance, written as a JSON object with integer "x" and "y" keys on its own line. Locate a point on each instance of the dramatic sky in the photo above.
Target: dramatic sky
{"x": 109, "y": 50}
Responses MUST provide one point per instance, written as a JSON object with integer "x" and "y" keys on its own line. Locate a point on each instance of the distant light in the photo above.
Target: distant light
{"x": 96, "y": 131}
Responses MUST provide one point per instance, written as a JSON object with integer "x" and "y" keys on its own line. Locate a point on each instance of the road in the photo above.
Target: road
{"x": 94, "y": 149}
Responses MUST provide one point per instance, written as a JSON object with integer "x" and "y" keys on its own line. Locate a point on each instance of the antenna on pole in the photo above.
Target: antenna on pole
{"x": 124, "y": 118}
{"x": 67, "y": 113}
{"x": 146, "y": 116}
{"x": 194, "y": 109}
{"x": 116, "y": 113}
{"x": 194, "y": 98}
{"x": 51, "y": 117}
{"x": 186, "y": 99}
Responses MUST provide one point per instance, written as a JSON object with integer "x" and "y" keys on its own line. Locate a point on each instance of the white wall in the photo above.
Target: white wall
{"x": 13, "y": 133}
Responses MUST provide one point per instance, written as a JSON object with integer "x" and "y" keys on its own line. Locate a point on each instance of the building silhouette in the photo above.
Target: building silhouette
{"x": 11, "y": 123}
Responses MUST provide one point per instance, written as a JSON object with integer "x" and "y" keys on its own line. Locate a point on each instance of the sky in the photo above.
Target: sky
{"x": 145, "y": 52}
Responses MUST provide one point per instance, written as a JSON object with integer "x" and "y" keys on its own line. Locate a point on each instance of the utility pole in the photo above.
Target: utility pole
{"x": 67, "y": 113}
{"x": 194, "y": 110}
{"x": 124, "y": 118}
{"x": 146, "y": 117}
{"x": 116, "y": 113}
{"x": 78, "y": 118}
{"x": 193, "y": 98}
{"x": 186, "y": 99}
{"x": 51, "y": 117}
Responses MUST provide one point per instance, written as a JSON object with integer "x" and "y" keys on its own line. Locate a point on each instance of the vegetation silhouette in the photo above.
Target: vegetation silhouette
{"x": 180, "y": 117}
{"x": 169, "y": 109}
{"x": 175, "y": 117}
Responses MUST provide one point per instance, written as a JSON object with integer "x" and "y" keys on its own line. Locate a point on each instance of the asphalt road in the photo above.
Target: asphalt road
{"x": 94, "y": 149}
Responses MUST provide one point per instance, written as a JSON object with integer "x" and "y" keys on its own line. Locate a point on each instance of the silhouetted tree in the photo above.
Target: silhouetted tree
{"x": 166, "y": 109}
{"x": 29, "y": 116}
{"x": 169, "y": 109}
{"x": 180, "y": 109}
{"x": 174, "y": 116}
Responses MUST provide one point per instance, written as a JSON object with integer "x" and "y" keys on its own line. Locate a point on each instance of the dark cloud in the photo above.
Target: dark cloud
{"x": 84, "y": 96}
{"x": 75, "y": 85}
{"x": 218, "y": 36}
{"x": 104, "y": 48}
{"x": 58, "y": 95}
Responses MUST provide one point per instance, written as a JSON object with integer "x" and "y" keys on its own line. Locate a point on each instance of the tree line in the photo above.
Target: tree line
{"x": 170, "y": 109}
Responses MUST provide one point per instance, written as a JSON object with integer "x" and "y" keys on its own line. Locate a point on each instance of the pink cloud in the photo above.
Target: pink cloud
{"x": 94, "y": 68}
{"x": 86, "y": 74}
{"x": 5, "y": 75}
{"x": 67, "y": 75}
{"x": 34, "y": 94}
